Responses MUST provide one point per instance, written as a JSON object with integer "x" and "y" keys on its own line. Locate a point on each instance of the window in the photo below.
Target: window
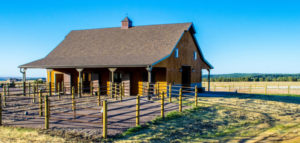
{"x": 176, "y": 53}
{"x": 195, "y": 55}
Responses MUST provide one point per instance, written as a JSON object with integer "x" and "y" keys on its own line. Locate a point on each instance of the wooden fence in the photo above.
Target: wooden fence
{"x": 50, "y": 105}
{"x": 291, "y": 88}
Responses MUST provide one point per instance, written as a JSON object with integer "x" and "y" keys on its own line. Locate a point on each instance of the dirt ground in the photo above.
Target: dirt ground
{"x": 21, "y": 112}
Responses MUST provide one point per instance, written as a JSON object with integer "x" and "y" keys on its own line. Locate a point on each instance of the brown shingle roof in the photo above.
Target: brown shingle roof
{"x": 108, "y": 47}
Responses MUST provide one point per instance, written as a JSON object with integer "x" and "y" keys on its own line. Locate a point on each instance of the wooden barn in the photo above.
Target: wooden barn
{"x": 165, "y": 53}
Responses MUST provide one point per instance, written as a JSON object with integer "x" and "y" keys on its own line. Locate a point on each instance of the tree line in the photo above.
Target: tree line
{"x": 253, "y": 77}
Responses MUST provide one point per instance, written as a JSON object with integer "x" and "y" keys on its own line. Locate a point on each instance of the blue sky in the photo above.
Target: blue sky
{"x": 236, "y": 36}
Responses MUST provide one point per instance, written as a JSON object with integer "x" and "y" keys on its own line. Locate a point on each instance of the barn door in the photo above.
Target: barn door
{"x": 186, "y": 75}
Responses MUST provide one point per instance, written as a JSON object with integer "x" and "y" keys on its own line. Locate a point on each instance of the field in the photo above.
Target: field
{"x": 241, "y": 118}
{"x": 287, "y": 88}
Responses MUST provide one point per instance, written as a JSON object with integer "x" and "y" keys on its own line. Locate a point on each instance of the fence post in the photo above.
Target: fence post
{"x": 137, "y": 110}
{"x": 24, "y": 88}
{"x": 62, "y": 88}
{"x": 162, "y": 111}
{"x": 29, "y": 89}
{"x": 0, "y": 109}
{"x": 104, "y": 132}
{"x": 250, "y": 89}
{"x": 214, "y": 88}
{"x": 116, "y": 95}
{"x": 73, "y": 103}
{"x": 46, "y": 112}
{"x": 288, "y": 89}
{"x": 4, "y": 95}
{"x": 7, "y": 90}
{"x": 180, "y": 100}
{"x": 266, "y": 89}
{"x": 40, "y": 103}
{"x": 170, "y": 92}
{"x": 120, "y": 91}
{"x": 99, "y": 100}
{"x": 196, "y": 96}
{"x": 58, "y": 91}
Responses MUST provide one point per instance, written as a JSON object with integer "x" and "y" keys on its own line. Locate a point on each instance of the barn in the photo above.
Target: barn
{"x": 132, "y": 55}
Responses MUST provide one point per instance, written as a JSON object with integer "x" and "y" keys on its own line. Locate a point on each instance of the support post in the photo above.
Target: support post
{"x": 208, "y": 79}
{"x": 46, "y": 112}
{"x": 91, "y": 89}
{"x": 23, "y": 71}
{"x": 180, "y": 100}
{"x": 137, "y": 110}
{"x": 196, "y": 96}
{"x": 104, "y": 132}
{"x": 50, "y": 79}
{"x": 99, "y": 99}
{"x": 40, "y": 103}
{"x": 73, "y": 103}
{"x": 170, "y": 92}
{"x": 162, "y": 111}
{"x": 62, "y": 88}
{"x": 80, "y": 82}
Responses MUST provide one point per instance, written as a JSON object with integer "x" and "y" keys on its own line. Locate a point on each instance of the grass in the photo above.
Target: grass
{"x": 199, "y": 124}
{"x": 25, "y": 135}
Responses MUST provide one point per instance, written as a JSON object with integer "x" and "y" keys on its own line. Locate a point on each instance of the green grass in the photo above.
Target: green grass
{"x": 20, "y": 135}
{"x": 211, "y": 123}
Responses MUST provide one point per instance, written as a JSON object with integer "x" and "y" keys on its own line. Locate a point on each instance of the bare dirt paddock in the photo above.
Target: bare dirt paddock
{"x": 20, "y": 111}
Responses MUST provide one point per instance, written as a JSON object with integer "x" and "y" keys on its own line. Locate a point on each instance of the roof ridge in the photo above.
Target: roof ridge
{"x": 134, "y": 26}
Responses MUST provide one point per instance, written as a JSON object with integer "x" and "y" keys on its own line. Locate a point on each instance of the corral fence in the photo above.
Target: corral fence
{"x": 292, "y": 88}
{"x": 46, "y": 105}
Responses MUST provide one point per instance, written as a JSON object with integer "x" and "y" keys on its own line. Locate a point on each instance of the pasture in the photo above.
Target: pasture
{"x": 267, "y": 88}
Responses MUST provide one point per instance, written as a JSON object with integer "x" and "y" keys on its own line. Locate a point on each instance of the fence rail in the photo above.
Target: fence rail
{"x": 255, "y": 87}
{"x": 50, "y": 105}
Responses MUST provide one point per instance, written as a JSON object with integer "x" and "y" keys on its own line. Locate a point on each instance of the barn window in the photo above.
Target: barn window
{"x": 195, "y": 55}
{"x": 176, "y": 53}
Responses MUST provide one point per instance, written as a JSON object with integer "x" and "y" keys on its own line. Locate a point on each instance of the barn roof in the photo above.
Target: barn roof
{"x": 113, "y": 47}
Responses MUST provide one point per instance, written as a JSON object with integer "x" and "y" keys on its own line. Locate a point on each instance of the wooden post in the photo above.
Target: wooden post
{"x": 288, "y": 89}
{"x": 266, "y": 89}
{"x": 120, "y": 91}
{"x": 158, "y": 94}
{"x": 104, "y": 132}
{"x": 137, "y": 110}
{"x": 116, "y": 91}
{"x": 0, "y": 109}
{"x": 40, "y": 103}
{"x": 162, "y": 111}
{"x": 46, "y": 112}
{"x": 4, "y": 95}
{"x": 99, "y": 99}
{"x": 33, "y": 100}
{"x": 24, "y": 88}
{"x": 29, "y": 89}
{"x": 73, "y": 103}
{"x": 62, "y": 88}
{"x": 250, "y": 88}
{"x": 170, "y": 92}
{"x": 180, "y": 100}
{"x": 58, "y": 91}
{"x": 91, "y": 89}
{"x": 196, "y": 96}
{"x": 7, "y": 90}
